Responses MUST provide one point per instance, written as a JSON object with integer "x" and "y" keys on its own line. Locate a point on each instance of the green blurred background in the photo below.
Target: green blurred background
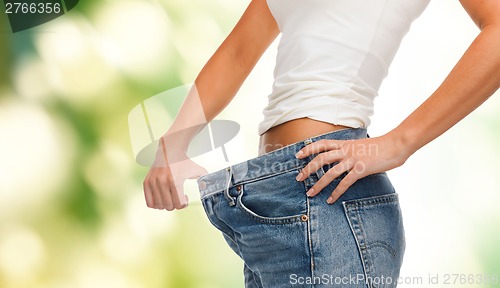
{"x": 72, "y": 212}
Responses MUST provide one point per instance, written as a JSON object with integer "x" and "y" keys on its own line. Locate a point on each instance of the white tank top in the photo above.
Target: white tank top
{"x": 333, "y": 56}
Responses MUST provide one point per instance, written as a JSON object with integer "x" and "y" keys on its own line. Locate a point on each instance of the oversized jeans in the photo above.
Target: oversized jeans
{"x": 287, "y": 239}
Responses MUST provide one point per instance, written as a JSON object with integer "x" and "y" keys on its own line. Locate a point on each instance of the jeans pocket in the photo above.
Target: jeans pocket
{"x": 279, "y": 199}
{"x": 209, "y": 205}
{"x": 377, "y": 225}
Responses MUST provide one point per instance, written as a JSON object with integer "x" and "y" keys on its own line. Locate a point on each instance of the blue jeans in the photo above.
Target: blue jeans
{"x": 287, "y": 239}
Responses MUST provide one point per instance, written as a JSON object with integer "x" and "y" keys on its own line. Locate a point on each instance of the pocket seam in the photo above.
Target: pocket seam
{"x": 370, "y": 201}
{"x": 352, "y": 208}
{"x": 216, "y": 225}
{"x": 362, "y": 255}
{"x": 267, "y": 220}
{"x": 264, "y": 219}
{"x": 252, "y": 180}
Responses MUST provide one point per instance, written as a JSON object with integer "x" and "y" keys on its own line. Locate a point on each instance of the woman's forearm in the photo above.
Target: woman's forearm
{"x": 222, "y": 76}
{"x": 213, "y": 89}
{"x": 471, "y": 82}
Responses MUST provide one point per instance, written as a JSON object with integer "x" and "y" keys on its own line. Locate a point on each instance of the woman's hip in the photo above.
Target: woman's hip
{"x": 268, "y": 220}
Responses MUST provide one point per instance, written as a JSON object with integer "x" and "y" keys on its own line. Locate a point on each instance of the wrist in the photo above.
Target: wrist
{"x": 179, "y": 139}
{"x": 403, "y": 144}
{"x": 169, "y": 152}
{"x": 174, "y": 143}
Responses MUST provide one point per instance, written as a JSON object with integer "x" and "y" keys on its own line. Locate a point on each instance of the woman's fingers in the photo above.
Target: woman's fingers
{"x": 327, "y": 178}
{"x": 156, "y": 190}
{"x": 171, "y": 192}
{"x": 148, "y": 193}
{"x": 318, "y": 147}
{"x": 344, "y": 184}
{"x": 357, "y": 157}
{"x": 177, "y": 192}
{"x": 355, "y": 172}
{"x": 341, "y": 151}
{"x": 163, "y": 187}
{"x": 319, "y": 161}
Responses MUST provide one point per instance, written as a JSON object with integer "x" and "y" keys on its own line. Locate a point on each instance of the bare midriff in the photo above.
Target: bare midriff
{"x": 293, "y": 131}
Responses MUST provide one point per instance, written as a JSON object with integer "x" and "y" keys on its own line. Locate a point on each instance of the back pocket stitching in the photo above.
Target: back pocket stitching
{"x": 370, "y": 201}
{"x": 384, "y": 245}
{"x": 362, "y": 255}
{"x": 355, "y": 207}
{"x": 352, "y": 212}
{"x": 364, "y": 248}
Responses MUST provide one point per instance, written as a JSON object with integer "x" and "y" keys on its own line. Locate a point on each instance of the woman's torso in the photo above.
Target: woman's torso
{"x": 332, "y": 58}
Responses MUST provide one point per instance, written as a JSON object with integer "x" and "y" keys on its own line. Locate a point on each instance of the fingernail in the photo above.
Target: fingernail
{"x": 310, "y": 192}
{"x": 329, "y": 200}
{"x": 299, "y": 176}
{"x": 299, "y": 154}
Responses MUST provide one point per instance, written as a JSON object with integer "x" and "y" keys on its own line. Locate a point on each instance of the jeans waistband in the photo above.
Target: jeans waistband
{"x": 275, "y": 162}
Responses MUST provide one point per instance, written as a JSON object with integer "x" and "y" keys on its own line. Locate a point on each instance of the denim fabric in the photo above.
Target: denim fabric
{"x": 287, "y": 239}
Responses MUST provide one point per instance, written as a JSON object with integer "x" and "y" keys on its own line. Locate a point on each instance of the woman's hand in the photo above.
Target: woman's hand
{"x": 163, "y": 185}
{"x": 360, "y": 157}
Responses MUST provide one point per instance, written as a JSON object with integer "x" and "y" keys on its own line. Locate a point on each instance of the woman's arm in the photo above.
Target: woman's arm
{"x": 474, "y": 79}
{"x": 225, "y": 72}
{"x": 215, "y": 86}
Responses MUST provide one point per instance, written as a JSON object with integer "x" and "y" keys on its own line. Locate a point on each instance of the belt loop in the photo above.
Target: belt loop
{"x": 228, "y": 185}
{"x": 320, "y": 172}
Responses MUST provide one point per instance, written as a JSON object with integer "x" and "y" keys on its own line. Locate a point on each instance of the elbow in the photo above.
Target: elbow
{"x": 492, "y": 30}
{"x": 488, "y": 23}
